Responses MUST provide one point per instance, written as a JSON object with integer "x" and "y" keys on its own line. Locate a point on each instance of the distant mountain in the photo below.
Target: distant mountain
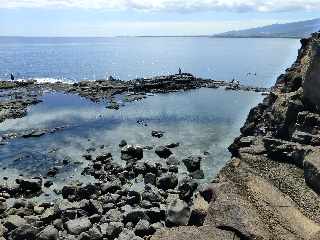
{"x": 287, "y": 30}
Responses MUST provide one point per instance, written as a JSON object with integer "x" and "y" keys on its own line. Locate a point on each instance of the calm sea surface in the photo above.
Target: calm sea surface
{"x": 203, "y": 120}
{"x": 74, "y": 59}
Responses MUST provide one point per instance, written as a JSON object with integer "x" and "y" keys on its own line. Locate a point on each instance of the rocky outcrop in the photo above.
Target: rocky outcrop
{"x": 270, "y": 188}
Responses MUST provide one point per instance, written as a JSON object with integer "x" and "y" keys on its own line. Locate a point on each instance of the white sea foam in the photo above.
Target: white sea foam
{"x": 48, "y": 80}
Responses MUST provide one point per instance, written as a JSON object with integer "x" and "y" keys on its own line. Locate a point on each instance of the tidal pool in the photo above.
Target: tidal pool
{"x": 203, "y": 120}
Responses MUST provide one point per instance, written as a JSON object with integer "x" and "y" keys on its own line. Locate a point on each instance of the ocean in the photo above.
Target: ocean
{"x": 252, "y": 61}
{"x": 202, "y": 120}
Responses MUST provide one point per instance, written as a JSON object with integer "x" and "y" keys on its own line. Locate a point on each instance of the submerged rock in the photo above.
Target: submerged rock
{"x": 157, "y": 134}
{"x": 123, "y": 143}
{"x": 131, "y": 152}
{"x": 192, "y": 163}
{"x": 163, "y": 152}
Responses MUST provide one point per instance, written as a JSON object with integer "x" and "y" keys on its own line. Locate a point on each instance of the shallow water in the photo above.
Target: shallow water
{"x": 73, "y": 59}
{"x": 203, "y": 120}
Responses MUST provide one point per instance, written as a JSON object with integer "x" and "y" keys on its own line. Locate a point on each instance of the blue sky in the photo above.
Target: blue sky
{"x": 146, "y": 17}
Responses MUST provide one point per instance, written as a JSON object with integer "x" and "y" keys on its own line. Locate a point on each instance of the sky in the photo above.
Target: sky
{"x": 106, "y": 18}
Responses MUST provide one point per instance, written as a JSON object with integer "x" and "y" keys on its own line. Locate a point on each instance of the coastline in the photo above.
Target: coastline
{"x": 269, "y": 189}
{"x": 260, "y": 194}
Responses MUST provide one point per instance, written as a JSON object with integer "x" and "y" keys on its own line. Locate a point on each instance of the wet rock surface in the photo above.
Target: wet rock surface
{"x": 129, "y": 201}
{"x": 270, "y": 188}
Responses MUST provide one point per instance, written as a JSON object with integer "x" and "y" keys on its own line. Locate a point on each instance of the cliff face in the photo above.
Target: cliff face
{"x": 270, "y": 189}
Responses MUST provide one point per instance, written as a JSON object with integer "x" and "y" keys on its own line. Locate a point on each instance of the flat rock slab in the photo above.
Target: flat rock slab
{"x": 192, "y": 233}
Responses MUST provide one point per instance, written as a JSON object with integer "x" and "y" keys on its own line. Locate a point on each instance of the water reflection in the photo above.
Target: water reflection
{"x": 204, "y": 120}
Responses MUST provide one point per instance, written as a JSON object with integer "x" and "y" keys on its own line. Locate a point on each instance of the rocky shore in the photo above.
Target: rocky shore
{"x": 269, "y": 190}
{"x": 17, "y": 96}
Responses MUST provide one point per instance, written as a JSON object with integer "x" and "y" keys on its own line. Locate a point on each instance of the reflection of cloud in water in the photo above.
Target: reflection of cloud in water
{"x": 44, "y": 119}
{"x": 202, "y": 121}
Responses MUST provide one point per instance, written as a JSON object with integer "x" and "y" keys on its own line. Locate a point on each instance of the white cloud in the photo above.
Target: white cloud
{"x": 172, "y": 5}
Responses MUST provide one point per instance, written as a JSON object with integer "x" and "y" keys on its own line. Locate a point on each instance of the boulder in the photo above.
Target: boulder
{"x": 198, "y": 174}
{"x": 49, "y": 214}
{"x": 13, "y": 222}
{"x": 127, "y": 234}
{"x": 91, "y": 207}
{"x": 112, "y": 229}
{"x": 52, "y": 172}
{"x": 104, "y": 158}
{"x": 156, "y": 214}
{"x": 131, "y": 152}
{"x": 143, "y": 228}
{"x": 133, "y": 197}
{"x": 163, "y": 152}
{"x": 192, "y": 163}
{"x": 123, "y": 143}
{"x": 114, "y": 215}
{"x": 3, "y": 207}
{"x": 3, "y": 230}
{"x": 111, "y": 187}
{"x": 78, "y": 225}
{"x": 134, "y": 215}
{"x": 167, "y": 181}
{"x": 208, "y": 192}
{"x": 172, "y": 161}
{"x": 199, "y": 211}
{"x": 29, "y": 185}
{"x": 187, "y": 186}
{"x": 311, "y": 167}
{"x": 49, "y": 233}
{"x": 150, "y": 178}
{"x": 92, "y": 234}
{"x": 151, "y": 194}
{"x": 178, "y": 213}
{"x": 24, "y": 232}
